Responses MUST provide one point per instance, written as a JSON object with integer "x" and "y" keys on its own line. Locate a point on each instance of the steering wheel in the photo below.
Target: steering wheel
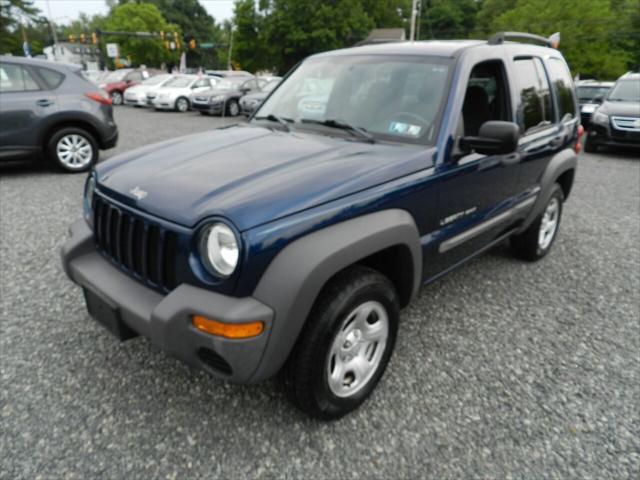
{"x": 421, "y": 121}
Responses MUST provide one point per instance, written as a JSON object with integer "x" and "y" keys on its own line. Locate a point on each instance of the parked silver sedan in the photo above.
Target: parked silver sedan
{"x": 174, "y": 95}
{"x": 137, "y": 95}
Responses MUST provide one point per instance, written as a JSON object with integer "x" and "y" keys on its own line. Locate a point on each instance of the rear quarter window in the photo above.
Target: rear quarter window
{"x": 536, "y": 109}
{"x": 51, "y": 78}
{"x": 563, "y": 88}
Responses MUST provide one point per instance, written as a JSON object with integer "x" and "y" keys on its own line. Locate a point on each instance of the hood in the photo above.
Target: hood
{"x": 251, "y": 175}
{"x": 624, "y": 109}
{"x": 255, "y": 96}
{"x": 143, "y": 88}
{"x": 215, "y": 91}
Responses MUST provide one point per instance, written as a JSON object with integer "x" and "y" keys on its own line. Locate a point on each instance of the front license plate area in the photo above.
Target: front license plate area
{"x": 107, "y": 316}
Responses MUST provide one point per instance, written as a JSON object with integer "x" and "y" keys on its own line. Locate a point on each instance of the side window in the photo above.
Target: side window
{"x": 487, "y": 97}
{"x": 15, "y": 78}
{"x": 201, "y": 83}
{"x": 134, "y": 77}
{"x": 535, "y": 98}
{"x": 563, "y": 88}
{"x": 52, "y": 78}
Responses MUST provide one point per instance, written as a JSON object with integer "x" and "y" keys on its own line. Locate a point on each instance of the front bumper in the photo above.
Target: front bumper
{"x": 136, "y": 100}
{"x": 166, "y": 320}
{"x": 606, "y": 135}
{"x": 163, "y": 104}
{"x": 212, "y": 108}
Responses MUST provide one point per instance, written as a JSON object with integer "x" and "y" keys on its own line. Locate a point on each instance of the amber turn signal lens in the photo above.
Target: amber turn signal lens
{"x": 228, "y": 330}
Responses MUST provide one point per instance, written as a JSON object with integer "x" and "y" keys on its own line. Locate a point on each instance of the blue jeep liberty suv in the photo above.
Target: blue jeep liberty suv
{"x": 290, "y": 244}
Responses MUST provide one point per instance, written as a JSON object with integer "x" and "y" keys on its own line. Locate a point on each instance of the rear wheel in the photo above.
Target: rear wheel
{"x": 345, "y": 346}
{"x": 116, "y": 97}
{"x": 536, "y": 241}
{"x": 182, "y": 105}
{"x": 73, "y": 149}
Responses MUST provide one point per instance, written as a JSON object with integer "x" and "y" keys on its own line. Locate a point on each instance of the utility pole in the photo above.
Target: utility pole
{"x": 230, "y": 48}
{"x": 414, "y": 15}
{"x": 53, "y": 31}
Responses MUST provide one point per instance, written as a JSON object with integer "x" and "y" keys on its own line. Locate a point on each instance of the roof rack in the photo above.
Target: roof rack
{"x": 501, "y": 37}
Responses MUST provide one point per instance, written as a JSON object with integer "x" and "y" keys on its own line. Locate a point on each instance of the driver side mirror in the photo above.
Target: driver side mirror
{"x": 245, "y": 90}
{"x": 494, "y": 138}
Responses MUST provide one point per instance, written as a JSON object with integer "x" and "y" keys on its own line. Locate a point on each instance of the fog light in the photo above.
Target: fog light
{"x": 227, "y": 330}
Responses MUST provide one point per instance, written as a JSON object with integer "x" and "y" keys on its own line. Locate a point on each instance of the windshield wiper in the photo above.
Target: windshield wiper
{"x": 332, "y": 123}
{"x": 275, "y": 118}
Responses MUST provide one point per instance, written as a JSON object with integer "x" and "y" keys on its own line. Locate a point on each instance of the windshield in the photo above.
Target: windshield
{"x": 229, "y": 83}
{"x": 396, "y": 98}
{"x": 588, "y": 94}
{"x": 116, "y": 76}
{"x": 179, "y": 82}
{"x": 626, "y": 91}
{"x": 156, "y": 80}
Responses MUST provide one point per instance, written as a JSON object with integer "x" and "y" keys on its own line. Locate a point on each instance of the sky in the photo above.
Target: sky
{"x": 64, "y": 11}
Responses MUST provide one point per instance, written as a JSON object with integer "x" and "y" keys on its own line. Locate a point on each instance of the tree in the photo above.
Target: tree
{"x": 15, "y": 18}
{"x": 593, "y": 35}
{"x": 446, "y": 19}
{"x": 141, "y": 17}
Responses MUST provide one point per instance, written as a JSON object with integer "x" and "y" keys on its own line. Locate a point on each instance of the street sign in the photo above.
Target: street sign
{"x": 25, "y": 48}
{"x": 112, "y": 50}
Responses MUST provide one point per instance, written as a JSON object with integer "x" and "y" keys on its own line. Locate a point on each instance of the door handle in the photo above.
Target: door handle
{"x": 43, "y": 102}
{"x": 511, "y": 159}
{"x": 556, "y": 142}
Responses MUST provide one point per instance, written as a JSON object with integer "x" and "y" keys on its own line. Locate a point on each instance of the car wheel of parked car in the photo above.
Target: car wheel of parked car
{"x": 202, "y": 112}
{"x": 345, "y": 345}
{"x": 233, "y": 109}
{"x": 182, "y": 105}
{"x": 116, "y": 97}
{"x": 589, "y": 146}
{"x": 536, "y": 241}
{"x": 73, "y": 149}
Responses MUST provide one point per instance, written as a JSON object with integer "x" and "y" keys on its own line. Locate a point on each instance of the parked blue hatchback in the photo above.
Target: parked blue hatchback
{"x": 290, "y": 244}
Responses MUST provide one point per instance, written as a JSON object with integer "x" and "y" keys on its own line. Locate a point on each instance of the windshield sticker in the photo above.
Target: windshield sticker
{"x": 405, "y": 129}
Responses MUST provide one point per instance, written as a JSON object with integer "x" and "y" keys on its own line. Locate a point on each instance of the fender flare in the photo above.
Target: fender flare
{"x": 295, "y": 277}
{"x": 562, "y": 162}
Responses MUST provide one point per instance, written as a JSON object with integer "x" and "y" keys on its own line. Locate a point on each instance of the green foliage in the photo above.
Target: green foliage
{"x": 597, "y": 36}
{"x": 446, "y": 19}
{"x": 141, "y": 17}
{"x": 16, "y": 15}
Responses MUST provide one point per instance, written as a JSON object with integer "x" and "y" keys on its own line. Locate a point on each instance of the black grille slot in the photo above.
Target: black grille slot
{"x": 214, "y": 360}
{"x": 142, "y": 248}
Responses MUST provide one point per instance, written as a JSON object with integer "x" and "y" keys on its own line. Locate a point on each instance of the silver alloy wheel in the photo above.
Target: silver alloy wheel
{"x": 74, "y": 151}
{"x": 234, "y": 110}
{"x": 182, "y": 105}
{"x": 116, "y": 98}
{"x": 357, "y": 349}
{"x": 549, "y": 224}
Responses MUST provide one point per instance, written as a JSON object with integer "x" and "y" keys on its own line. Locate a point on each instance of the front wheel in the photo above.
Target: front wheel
{"x": 233, "y": 109}
{"x": 182, "y": 105}
{"x": 536, "y": 241}
{"x": 345, "y": 346}
{"x": 116, "y": 97}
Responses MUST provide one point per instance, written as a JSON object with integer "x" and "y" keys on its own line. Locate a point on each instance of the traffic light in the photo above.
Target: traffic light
{"x": 176, "y": 38}
{"x": 82, "y": 38}
{"x": 94, "y": 38}
{"x": 162, "y": 35}
{"x": 72, "y": 38}
{"x": 192, "y": 44}
{"x": 166, "y": 44}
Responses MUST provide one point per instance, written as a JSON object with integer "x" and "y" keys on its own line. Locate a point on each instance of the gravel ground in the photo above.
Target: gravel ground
{"x": 502, "y": 369}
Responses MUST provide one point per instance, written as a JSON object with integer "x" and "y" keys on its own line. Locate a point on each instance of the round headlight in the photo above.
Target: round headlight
{"x": 219, "y": 249}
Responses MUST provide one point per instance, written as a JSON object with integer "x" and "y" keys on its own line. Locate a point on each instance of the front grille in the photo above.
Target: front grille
{"x": 140, "y": 247}
{"x": 215, "y": 361}
{"x": 628, "y": 124}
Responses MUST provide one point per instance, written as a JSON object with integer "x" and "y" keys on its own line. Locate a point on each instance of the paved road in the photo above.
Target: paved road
{"x": 502, "y": 369}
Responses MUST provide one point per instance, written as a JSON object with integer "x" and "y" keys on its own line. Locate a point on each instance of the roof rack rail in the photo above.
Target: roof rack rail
{"x": 501, "y": 37}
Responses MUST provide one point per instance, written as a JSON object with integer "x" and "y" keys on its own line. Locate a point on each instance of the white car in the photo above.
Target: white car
{"x": 174, "y": 95}
{"x": 137, "y": 95}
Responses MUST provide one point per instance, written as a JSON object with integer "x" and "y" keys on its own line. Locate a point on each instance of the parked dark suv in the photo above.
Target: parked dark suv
{"x": 291, "y": 243}
{"x": 616, "y": 122}
{"x": 48, "y": 109}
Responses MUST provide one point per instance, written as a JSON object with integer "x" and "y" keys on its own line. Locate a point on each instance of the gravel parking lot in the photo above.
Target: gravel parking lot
{"x": 502, "y": 369}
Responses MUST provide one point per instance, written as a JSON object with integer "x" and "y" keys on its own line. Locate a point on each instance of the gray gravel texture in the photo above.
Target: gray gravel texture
{"x": 502, "y": 370}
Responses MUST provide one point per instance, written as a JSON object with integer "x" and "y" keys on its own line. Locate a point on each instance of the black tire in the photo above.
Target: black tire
{"x": 181, "y": 105}
{"x": 116, "y": 97}
{"x": 52, "y": 151}
{"x": 527, "y": 245}
{"x": 305, "y": 374}
{"x": 203, "y": 112}
{"x": 589, "y": 146}
{"x": 233, "y": 109}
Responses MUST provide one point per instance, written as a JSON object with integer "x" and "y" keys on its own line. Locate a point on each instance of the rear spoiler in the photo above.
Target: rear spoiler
{"x": 553, "y": 41}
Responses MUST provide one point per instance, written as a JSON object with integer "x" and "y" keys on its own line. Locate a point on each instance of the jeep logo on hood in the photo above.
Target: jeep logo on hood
{"x": 138, "y": 192}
